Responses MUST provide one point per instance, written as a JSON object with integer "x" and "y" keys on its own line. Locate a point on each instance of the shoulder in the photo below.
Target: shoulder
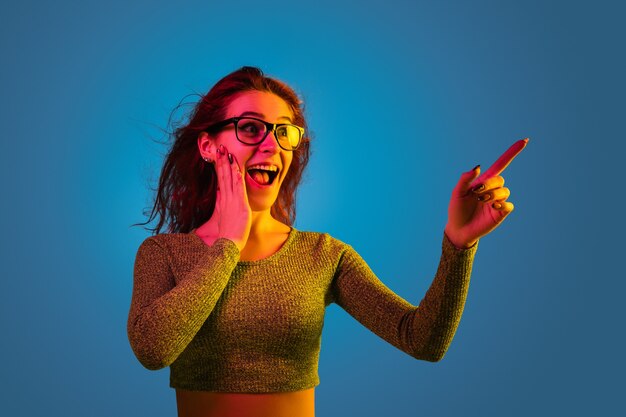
{"x": 181, "y": 252}
{"x": 320, "y": 241}
{"x": 173, "y": 243}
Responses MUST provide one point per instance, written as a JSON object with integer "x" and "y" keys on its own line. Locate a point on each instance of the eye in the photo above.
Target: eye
{"x": 282, "y": 131}
{"x": 249, "y": 127}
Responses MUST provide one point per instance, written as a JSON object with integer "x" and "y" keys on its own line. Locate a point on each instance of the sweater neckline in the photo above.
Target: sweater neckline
{"x": 290, "y": 238}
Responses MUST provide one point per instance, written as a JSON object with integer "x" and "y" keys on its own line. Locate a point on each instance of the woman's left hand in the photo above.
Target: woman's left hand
{"x": 475, "y": 211}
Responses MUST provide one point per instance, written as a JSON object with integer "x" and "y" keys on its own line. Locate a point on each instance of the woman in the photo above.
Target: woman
{"x": 233, "y": 298}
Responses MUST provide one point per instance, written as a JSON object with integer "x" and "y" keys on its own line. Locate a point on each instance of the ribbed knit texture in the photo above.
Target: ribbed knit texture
{"x": 225, "y": 325}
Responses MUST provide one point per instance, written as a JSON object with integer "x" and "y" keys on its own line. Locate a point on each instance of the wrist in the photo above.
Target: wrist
{"x": 459, "y": 243}
{"x": 237, "y": 242}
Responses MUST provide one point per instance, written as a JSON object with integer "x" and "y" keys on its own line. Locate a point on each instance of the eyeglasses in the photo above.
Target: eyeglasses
{"x": 252, "y": 131}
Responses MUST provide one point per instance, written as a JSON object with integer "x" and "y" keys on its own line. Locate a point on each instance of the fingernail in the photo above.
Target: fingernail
{"x": 496, "y": 206}
{"x": 478, "y": 188}
{"x": 474, "y": 169}
{"x": 230, "y": 157}
{"x": 222, "y": 148}
{"x": 484, "y": 197}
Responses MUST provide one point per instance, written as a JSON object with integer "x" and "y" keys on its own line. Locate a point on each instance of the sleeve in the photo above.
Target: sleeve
{"x": 424, "y": 332}
{"x": 164, "y": 315}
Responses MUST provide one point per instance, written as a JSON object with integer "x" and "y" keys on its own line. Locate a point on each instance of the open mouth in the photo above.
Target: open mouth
{"x": 262, "y": 176}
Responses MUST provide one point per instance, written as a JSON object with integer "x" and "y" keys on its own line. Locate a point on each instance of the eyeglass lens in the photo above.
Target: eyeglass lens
{"x": 252, "y": 131}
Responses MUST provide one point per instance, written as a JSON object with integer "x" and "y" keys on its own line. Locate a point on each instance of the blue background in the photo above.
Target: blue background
{"x": 401, "y": 97}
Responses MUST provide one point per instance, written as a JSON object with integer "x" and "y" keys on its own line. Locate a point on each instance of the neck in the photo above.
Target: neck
{"x": 262, "y": 222}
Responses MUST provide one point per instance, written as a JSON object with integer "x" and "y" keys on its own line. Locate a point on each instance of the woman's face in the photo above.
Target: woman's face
{"x": 270, "y": 108}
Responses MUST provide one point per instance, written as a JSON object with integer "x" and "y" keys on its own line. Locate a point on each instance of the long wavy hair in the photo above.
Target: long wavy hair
{"x": 187, "y": 188}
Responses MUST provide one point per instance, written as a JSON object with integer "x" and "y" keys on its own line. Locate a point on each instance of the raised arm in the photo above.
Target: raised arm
{"x": 167, "y": 308}
{"x": 424, "y": 332}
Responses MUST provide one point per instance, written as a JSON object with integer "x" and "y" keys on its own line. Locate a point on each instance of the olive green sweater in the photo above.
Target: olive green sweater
{"x": 226, "y": 325}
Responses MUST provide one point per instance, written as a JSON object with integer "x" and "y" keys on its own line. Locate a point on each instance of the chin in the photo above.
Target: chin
{"x": 261, "y": 204}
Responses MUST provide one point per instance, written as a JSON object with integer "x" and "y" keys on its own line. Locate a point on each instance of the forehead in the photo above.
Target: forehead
{"x": 267, "y": 104}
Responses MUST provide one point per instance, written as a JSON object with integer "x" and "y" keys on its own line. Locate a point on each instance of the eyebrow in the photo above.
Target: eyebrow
{"x": 261, "y": 116}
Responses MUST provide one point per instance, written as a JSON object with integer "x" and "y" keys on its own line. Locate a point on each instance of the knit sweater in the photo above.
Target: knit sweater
{"x": 226, "y": 325}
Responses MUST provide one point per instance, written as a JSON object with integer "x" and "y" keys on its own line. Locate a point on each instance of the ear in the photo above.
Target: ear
{"x": 204, "y": 142}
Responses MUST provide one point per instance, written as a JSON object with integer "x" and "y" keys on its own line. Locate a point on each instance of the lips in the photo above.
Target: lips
{"x": 263, "y": 174}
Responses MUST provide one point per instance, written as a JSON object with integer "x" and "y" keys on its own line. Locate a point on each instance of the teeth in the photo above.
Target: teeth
{"x": 264, "y": 167}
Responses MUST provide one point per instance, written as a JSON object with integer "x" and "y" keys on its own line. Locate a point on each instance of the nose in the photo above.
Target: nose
{"x": 270, "y": 143}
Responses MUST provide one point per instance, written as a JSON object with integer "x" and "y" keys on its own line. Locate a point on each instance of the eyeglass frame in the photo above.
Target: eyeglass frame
{"x": 269, "y": 127}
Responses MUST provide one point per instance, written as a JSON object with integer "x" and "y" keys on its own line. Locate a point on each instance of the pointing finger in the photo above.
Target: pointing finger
{"x": 504, "y": 160}
{"x": 240, "y": 183}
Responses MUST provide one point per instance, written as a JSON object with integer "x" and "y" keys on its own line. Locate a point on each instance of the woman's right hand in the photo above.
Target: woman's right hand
{"x": 232, "y": 216}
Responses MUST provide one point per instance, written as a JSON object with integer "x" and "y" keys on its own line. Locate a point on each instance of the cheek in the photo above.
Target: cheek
{"x": 288, "y": 166}
{"x": 241, "y": 152}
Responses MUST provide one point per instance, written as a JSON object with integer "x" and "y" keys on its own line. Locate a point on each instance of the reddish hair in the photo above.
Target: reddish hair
{"x": 187, "y": 186}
